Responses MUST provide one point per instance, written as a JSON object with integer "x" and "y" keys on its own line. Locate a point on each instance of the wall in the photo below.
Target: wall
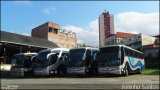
{"x": 40, "y": 31}
{"x": 138, "y": 41}
{"x": 53, "y": 25}
{"x": 152, "y": 52}
{"x": 112, "y": 24}
{"x": 101, "y": 31}
{"x": 146, "y": 40}
{"x": 62, "y": 41}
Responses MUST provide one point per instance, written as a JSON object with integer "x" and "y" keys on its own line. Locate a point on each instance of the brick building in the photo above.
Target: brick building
{"x": 106, "y": 27}
{"x": 136, "y": 41}
{"x": 52, "y": 32}
{"x": 117, "y": 38}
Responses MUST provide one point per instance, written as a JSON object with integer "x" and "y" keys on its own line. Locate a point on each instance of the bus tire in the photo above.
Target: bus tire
{"x": 139, "y": 71}
{"x": 87, "y": 72}
{"x": 95, "y": 71}
{"x": 126, "y": 71}
{"x": 61, "y": 70}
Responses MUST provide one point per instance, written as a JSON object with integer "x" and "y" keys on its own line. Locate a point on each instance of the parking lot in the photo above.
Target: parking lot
{"x": 81, "y": 82}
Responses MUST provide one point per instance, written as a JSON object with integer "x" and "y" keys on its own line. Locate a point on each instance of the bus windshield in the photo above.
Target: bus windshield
{"x": 108, "y": 56}
{"x": 41, "y": 59}
{"x": 19, "y": 60}
{"x": 23, "y": 61}
{"x": 55, "y": 54}
{"x": 76, "y": 58}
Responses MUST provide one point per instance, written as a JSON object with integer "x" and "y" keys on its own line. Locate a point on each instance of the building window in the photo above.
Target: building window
{"x": 55, "y": 30}
{"x": 50, "y": 29}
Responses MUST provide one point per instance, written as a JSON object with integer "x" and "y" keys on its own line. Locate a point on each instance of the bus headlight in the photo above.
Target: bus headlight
{"x": 82, "y": 69}
{"x": 122, "y": 69}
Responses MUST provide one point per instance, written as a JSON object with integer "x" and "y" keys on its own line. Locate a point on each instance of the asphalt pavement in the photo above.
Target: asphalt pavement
{"x": 136, "y": 81}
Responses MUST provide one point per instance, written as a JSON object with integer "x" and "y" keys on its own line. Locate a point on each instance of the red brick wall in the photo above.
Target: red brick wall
{"x": 41, "y": 31}
{"x": 107, "y": 24}
{"x": 63, "y": 41}
{"x": 53, "y": 25}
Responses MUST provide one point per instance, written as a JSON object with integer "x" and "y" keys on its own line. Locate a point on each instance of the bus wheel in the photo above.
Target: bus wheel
{"x": 139, "y": 71}
{"x": 126, "y": 71}
{"x": 87, "y": 72}
{"x": 61, "y": 71}
{"x": 95, "y": 72}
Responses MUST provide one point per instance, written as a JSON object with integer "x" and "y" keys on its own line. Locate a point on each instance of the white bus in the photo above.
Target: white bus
{"x": 51, "y": 61}
{"x": 22, "y": 64}
{"x": 120, "y": 59}
{"x": 82, "y": 61}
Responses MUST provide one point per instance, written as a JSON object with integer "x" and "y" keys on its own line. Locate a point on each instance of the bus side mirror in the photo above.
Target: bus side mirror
{"x": 65, "y": 57}
{"x": 33, "y": 58}
{"x": 51, "y": 56}
{"x": 13, "y": 63}
{"x": 84, "y": 57}
{"x": 119, "y": 55}
{"x": 94, "y": 57}
{"x": 61, "y": 58}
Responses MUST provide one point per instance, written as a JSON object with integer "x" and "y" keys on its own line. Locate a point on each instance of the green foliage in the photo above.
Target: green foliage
{"x": 151, "y": 71}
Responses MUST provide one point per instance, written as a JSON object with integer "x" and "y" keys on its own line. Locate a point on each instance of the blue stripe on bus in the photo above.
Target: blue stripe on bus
{"x": 139, "y": 63}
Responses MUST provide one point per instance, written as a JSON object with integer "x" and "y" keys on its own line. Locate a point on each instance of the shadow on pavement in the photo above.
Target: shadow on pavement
{"x": 6, "y": 75}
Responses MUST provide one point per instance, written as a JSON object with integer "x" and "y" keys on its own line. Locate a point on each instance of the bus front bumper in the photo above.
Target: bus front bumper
{"x": 76, "y": 70}
{"x": 41, "y": 71}
{"x": 109, "y": 70}
{"x": 17, "y": 72}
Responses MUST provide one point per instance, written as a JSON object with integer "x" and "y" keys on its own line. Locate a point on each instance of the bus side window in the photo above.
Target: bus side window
{"x": 88, "y": 57}
{"x": 33, "y": 61}
{"x": 52, "y": 59}
{"x": 138, "y": 55}
{"x": 141, "y": 56}
{"x": 66, "y": 56}
{"x": 130, "y": 53}
{"x": 126, "y": 52}
{"x": 94, "y": 54}
{"x": 27, "y": 61}
{"x": 133, "y": 54}
{"x": 122, "y": 55}
{"x": 62, "y": 56}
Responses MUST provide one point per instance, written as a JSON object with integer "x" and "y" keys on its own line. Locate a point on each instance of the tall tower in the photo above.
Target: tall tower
{"x": 106, "y": 27}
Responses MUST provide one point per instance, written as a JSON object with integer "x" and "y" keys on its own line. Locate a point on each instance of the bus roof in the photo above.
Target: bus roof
{"x": 86, "y": 48}
{"x": 26, "y": 54}
{"x": 64, "y": 49}
{"x": 122, "y": 46}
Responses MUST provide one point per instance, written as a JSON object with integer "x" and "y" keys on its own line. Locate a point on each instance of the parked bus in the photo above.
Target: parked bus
{"x": 120, "y": 59}
{"x": 22, "y": 64}
{"x": 51, "y": 61}
{"x": 82, "y": 61}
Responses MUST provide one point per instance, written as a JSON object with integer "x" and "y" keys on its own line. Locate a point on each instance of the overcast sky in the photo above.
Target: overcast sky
{"x": 80, "y": 16}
